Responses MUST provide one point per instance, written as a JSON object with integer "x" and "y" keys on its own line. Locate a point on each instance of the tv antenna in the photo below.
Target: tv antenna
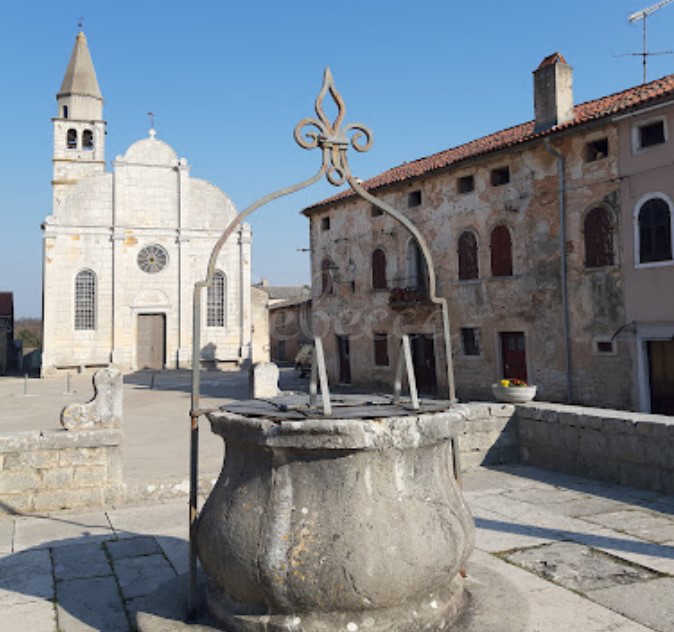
{"x": 642, "y": 15}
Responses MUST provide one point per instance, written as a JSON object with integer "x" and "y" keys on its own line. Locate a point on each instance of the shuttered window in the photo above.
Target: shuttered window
{"x": 468, "y": 264}
{"x": 501, "y": 252}
{"x": 598, "y": 238}
{"x": 379, "y": 270}
{"x": 655, "y": 231}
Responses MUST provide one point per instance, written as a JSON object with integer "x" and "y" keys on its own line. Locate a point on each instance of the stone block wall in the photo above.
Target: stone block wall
{"x": 490, "y": 436}
{"x": 46, "y": 471}
{"x": 610, "y": 445}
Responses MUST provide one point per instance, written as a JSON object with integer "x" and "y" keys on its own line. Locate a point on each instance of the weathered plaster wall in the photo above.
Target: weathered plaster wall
{"x": 528, "y": 301}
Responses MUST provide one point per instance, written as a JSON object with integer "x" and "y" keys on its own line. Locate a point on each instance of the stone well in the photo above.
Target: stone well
{"x": 349, "y": 523}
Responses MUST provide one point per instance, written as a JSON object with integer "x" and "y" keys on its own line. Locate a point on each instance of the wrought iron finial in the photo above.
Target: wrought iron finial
{"x": 80, "y": 23}
{"x": 332, "y": 137}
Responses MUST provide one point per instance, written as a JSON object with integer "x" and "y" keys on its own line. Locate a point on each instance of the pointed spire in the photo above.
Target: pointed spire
{"x": 80, "y": 77}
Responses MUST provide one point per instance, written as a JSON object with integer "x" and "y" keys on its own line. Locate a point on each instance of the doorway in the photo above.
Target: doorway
{"x": 513, "y": 355}
{"x": 151, "y": 341}
{"x": 344, "y": 352}
{"x": 423, "y": 359}
{"x": 661, "y": 376}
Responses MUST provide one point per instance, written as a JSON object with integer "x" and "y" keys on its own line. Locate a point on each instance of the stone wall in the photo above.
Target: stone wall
{"x": 45, "y": 471}
{"x": 619, "y": 447}
{"x": 79, "y": 466}
{"x": 490, "y": 436}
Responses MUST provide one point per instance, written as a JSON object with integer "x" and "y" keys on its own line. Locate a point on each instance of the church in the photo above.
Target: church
{"x": 122, "y": 250}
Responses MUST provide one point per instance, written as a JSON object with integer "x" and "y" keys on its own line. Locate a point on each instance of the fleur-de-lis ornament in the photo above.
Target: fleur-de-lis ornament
{"x": 331, "y": 137}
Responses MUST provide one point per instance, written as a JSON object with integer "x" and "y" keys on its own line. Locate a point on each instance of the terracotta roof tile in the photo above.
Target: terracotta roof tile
{"x": 552, "y": 59}
{"x": 583, "y": 113}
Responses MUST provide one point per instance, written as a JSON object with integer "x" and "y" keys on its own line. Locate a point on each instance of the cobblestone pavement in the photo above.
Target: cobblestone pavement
{"x": 584, "y": 556}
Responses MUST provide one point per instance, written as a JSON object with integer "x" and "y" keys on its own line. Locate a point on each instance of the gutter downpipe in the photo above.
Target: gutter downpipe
{"x": 563, "y": 266}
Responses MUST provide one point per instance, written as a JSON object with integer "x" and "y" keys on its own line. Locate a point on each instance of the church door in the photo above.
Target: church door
{"x": 151, "y": 344}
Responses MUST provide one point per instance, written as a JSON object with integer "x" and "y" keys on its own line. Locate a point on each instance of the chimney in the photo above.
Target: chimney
{"x": 553, "y": 92}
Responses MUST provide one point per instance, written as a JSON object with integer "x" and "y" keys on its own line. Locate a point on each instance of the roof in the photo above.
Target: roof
{"x": 80, "y": 77}
{"x": 6, "y": 304}
{"x": 619, "y": 102}
{"x": 285, "y": 293}
{"x": 291, "y": 302}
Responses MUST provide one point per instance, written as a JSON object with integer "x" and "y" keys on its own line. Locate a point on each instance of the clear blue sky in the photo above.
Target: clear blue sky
{"x": 228, "y": 81}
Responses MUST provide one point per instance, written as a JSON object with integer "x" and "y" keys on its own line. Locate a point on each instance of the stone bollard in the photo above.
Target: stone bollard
{"x": 264, "y": 380}
{"x": 105, "y": 408}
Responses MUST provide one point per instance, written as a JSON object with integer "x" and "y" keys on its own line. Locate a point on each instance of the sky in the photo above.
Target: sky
{"x": 228, "y": 81}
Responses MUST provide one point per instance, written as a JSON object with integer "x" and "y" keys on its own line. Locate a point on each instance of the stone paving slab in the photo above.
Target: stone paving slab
{"x": 132, "y": 547}
{"x": 651, "y": 603}
{"x": 61, "y": 528}
{"x": 25, "y": 576}
{"x": 169, "y": 518}
{"x": 6, "y": 536}
{"x": 36, "y": 615}
{"x": 578, "y": 567}
{"x": 639, "y": 523}
{"x": 79, "y": 561}
{"x": 90, "y": 604}
{"x": 138, "y": 576}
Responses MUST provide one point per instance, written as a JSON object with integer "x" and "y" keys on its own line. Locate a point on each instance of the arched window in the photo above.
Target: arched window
{"x": 379, "y": 270}
{"x": 87, "y": 139}
{"x": 501, "y": 252}
{"x": 71, "y": 139}
{"x": 85, "y": 300}
{"x": 598, "y": 238}
{"x": 416, "y": 266}
{"x": 65, "y": 111}
{"x": 326, "y": 276}
{"x": 468, "y": 264}
{"x": 215, "y": 301}
{"x": 655, "y": 231}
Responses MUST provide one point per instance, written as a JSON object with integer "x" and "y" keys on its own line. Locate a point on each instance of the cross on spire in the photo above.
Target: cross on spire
{"x": 80, "y": 23}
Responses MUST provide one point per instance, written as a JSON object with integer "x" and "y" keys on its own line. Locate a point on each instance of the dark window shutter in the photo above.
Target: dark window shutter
{"x": 468, "y": 265}
{"x": 501, "y": 252}
{"x": 598, "y": 238}
{"x": 379, "y": 270}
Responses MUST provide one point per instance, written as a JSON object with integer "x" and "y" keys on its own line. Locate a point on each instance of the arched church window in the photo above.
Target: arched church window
{"x": 87, "y": 139}
{"x": 215, "y": 301}
{"x": 85, "y": 300}
{"x": 65, "y": 111}
{"x": 152, "y": 259}
{"x": 71, "y": 139}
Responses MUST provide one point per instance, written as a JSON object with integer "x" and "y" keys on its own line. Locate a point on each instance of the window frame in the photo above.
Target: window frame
{"x": 637, "y": 230}
{"x": 637, "y": 145}
{"x": 379, "y": 277}
{"x": 379, "y": 353}
{"x": 216, "y": 303}
{"x": 463, "y": 180}
{"x": 476, "y": 342}
{"x": 85, "y": 315}
{"x": 414, "y": 198}
{"x": 491, "y": 252}
{"x": 590, "y": 152}
{"x": 495, "y": 176}
{"x": 71, "y": 138}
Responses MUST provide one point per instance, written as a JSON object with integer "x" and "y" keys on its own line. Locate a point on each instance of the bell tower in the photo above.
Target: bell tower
{"x": 79, "y": 128}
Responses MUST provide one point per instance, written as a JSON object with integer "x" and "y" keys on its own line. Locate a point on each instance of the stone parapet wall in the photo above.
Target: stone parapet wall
{"x": 610, "y": 445}
{"x": 45, "y": 471}
{"x": 490, "y": 436}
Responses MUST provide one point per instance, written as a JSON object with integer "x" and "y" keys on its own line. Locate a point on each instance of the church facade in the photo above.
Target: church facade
{"x": 122, "y": 250}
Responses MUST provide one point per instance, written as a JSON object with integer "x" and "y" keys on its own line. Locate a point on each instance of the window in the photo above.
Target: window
{"x": 501, "y": 252}
{"x": 651, "y": 134}
{"x": 152, "y": 259}
{"x": 604, "y": 346}
{"x": 379, "y": 270}
{"x": 326, "y": 276}
{"x": 470, "y": 340}
{"x": 325, "y": 223}
{"x": 215, "y": 301}
{"x": 414, "y": 198}
{"x": 87, "y": 139}
{"x": 466, "y": 184}
{"x": 598, "y": 238}
{"x": 655, "y": 231}
{"x": 71, "y": 139}
{"x": 468, "y": 263}
{"x": 85, "y": 300}
{"x": 596, "y": 150}
{"x": 375, "y": 211}
{"x": 65, "y": 111}
{"x": 500, "y": 176}
{"x": 380, "y": 349}
{"x": 416, "y": 266}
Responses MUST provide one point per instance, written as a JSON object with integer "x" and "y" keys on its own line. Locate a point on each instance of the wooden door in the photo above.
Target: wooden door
{"x": 344, "y": 352}
{"x": 423, "y": 359}
{"x": 661, "y": 376}
{"x": 513, "y": 355}
{"x": 151, "y": 342}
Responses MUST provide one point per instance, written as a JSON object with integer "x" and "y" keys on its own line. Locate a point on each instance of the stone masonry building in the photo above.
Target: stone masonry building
{"x": 123, "y": 249}
{"x": 551, "y": 240}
